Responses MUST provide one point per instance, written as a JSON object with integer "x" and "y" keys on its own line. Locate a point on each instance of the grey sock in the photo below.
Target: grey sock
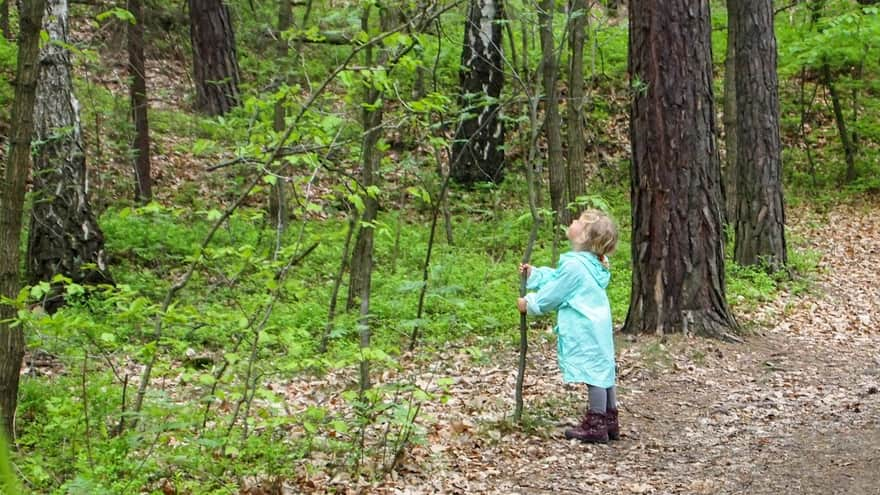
{"x": 612, "y": 397}
{"x": 598, "y": 398}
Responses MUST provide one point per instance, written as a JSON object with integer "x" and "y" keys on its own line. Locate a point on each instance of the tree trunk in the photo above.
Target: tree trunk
{"x": 362, "y": 258}
{"x": 854, "y": 136}
{"x": 477, "y": 151}
{"x": 12, "y": 203}
{"x": 64, "y": 235}
{"x": 677, "y": 240}
{"x": 555, "y": 162}
{"x": 371, "y": 117}
{"x": 730, "y": 170}
{"x": 215, "y": 65}
{"x": 760, "y": 217}
{"x": 143, "y": 188}
{"x": 577, "y": 168}
{"x": 278, "y": 197}
{"x": 849, "y": 152}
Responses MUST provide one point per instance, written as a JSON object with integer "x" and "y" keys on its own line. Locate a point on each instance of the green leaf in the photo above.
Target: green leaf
{"x": 75, "y": 289}
{"x": 445, "y": 381}
{"x": 339, "y": 426}
{"x": 119, "y": 13}
{"x": 421, "y": 193}
{"x": 202, "y": 145}
{"x": 40, "y": 290}
{"x": 356, "y": 200}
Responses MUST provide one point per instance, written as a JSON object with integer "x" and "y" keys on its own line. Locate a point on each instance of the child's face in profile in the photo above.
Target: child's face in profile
{"x": 575, "y": 231}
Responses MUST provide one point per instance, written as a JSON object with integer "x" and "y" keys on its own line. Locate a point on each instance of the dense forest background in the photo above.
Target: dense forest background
{"x": 281, "y": 216}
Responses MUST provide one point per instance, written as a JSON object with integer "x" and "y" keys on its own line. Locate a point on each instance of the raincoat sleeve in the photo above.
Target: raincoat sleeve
{"x": 553, "y": 293}
{"x": 539, "y": 276}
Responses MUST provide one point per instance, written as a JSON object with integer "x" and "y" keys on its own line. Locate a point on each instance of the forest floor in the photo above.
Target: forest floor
{"x": 794, "y": 409}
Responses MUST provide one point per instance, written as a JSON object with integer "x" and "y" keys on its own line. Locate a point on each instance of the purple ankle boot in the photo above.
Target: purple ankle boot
{"x": 593, "y": 429}
{"x": 613, "y": 426}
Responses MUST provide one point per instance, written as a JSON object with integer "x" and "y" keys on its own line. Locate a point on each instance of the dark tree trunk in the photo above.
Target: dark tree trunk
{"x": 577, "y": 169}
{"x": 549, "y": 70}
{"x": 677, "y": 240}
{"x": 477, "y": 152}
{"x": 730, "y": 170}
{"x": 760, "y": 217}
{"x": 143, "y": 188}
{"x": 215, "y": 65}
{"x": 64, "y": 235}
{"x": 12, "y": 202}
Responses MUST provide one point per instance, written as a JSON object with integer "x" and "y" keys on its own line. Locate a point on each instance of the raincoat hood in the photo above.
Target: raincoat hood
{"x": 591, "y": 262}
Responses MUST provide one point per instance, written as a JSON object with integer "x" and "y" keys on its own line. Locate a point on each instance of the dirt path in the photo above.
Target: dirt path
{"x": 794, "y": 410}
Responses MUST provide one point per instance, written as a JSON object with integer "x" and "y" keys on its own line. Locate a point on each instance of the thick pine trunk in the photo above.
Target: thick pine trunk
{"x": 577, "y": 168}
{"x": 215, "y": 65}
{"x": 477, "y": 152}
{"x": 549, "y": 69}
{"x": 760, "y": 217}
{"x": 677, "y": 240}
{"x": 12, "y": 202}
{"x": 730, "y": 170}
{"x": 64, "y": 235}
{"x": 143, "y": 188}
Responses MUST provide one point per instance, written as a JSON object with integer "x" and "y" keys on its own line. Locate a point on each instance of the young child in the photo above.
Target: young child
{"x": 576, "y": 289}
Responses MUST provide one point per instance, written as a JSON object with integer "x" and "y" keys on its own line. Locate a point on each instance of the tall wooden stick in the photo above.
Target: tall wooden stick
{"x": 536, "y": 224}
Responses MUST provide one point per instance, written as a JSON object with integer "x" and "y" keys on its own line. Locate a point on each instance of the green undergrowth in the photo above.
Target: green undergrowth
{"x": 239, "y": 334}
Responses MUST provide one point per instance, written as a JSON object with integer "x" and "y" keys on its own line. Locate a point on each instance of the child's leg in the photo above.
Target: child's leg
{"x": 598, "y": 398}
{"x": 593, "y": 428}
{"x": 611, "y": 415}
{"x": 611, "y": 397}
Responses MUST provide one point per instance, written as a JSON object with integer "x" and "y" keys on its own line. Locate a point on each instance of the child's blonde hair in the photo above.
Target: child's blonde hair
{"x": 599, "y": 235}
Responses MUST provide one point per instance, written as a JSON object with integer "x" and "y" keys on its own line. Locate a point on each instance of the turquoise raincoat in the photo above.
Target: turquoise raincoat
{"x": 583, "y": 328}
